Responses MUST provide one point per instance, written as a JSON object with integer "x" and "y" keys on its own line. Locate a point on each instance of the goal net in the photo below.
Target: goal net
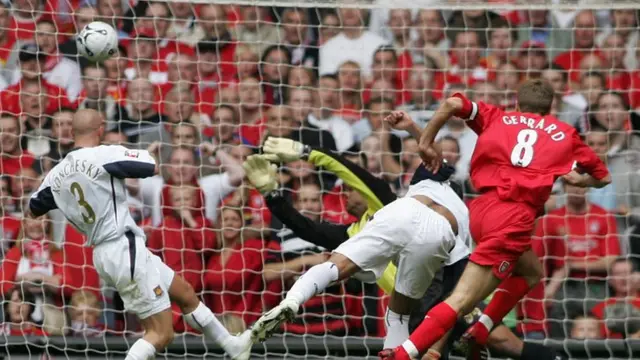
{"x": 201, "y": 85}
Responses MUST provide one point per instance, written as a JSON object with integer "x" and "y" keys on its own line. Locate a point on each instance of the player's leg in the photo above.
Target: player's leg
{"x": 370, "y": 251}
{"x": 418, "y": 263}
{"x": 505, "y": 343}
{"x": 476, "y": 283}
{"x": 201, "y": 318}
{"x": 526, "y": 275}
{"x": 158, "y": 334}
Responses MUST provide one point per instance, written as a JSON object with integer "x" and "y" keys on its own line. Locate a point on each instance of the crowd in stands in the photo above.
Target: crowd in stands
{"x": 203, "y": 85}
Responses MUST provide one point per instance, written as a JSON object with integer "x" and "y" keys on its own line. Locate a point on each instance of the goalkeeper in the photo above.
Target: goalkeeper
{"x": 376, "y": 194}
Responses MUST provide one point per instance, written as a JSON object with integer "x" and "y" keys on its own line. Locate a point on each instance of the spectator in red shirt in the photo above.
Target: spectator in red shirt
{"x": 12, "y": 157}
{"x": 581, "y": 242}
{"x": 116, "y": 77}
{"x": 111, "y": 12}
{"x": 9, "y": 225}
{"x": 613, "y": 54}
{"x": 48, "y": 96}
{"x": 274, "y": 68}
{"x": 251, "y": 111}
{"x": 584, "y": 35}
{"x": 619, "y": 315}
{"x": 157, "y": 16}
{"x": 95, "y": 94}
{"x": 430, "y": 26}
{"x": 385, "y": 66}
{"x": 225, "y": 125}
{"x": 143, "y": 52}
{"x": 508, "y": 79}
{"x": 233, "y": 278}
{"x": 350, "y": 97}
{"x": 216, "y": 29}
{"x": 85, "y": 314}
{"x": 185, "y": 238}
{"x": 24, "y": 16}
{"x": 502, "y": 39}
{"x": 18, "y": 311}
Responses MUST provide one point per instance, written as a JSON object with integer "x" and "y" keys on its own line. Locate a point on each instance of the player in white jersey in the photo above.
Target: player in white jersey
{"x": 420, "y": 233}
{"x": 88, "y": 187}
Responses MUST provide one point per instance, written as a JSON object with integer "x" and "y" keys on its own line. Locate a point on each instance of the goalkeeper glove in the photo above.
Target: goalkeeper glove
{"x": 261, "y": 173}
{"x": 282, "y": 149}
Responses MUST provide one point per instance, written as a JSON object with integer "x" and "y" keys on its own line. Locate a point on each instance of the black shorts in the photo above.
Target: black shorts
{"x": 443, "y": 283}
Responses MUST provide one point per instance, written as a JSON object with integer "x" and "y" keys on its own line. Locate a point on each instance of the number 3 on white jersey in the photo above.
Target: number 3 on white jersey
{"x": 522, "y": 153}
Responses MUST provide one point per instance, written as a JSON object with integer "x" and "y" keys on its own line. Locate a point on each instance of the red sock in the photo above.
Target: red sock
{"x": 505, "y": 297}
{"x": 434, "y": 326}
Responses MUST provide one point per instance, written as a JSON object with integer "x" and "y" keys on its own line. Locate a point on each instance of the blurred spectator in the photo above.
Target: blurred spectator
{"x": 585, "y": 327}
{"x": 247, "y": 62}
{"x": 256, "y": 30}
{"x": 61, "y": 141}
{"x": 39, "y": 267}
{"x": 12, "y": 156}
{"x": 465, "y": 55}
{"x": 138, "y": 116}
{"x": 502, "y": 39}
{"x": 584, "y": 34}
{"x": 297, "y": 36}
{"x": 233, "y": 278}
{"x": 185, "y": 237}
{"x": 592, "y": 84}
{"x": 300, "y": 76}
{"x": 377, "y": 109}
{"x": 605, "y": 197}
{"x": 422, "y": 104}
{"x": 213, "y": 22}
{"x": 350, "y": 95}
{"x": 225, "y": 125}
{"x": 32, "y": 66}
{"x": 532, "y": 59}
{"x": 624, "y": 24}
{"x": 430, "y": 29}
{"x": 143, "y": 54}
{"x": 387, "y": 66}
{"x": 182, "y": 169}
{"x": 25, "y": 15}
{"x": 112, "y": 12}
{"x": 19, "y": 307}
{"x": 274, "y": 67}
{"x": 7, "y": 44}
{"x": 486, "y": 92}
{"x": 561, "y": 109}
{"x": 335, "y": 134}
{"x": 116, "y": 77}
{"x": 580, "y": 242}
{"x": 543, "y": 27}
{"x": 95, "y": 94}
{"x": 477, "y": 21}
{"x": 58, "y": 70}
{"x": 352, "y": 44}
{"x": 183, "y": 27}
{"x": 508, "y": 80}
{"x": 251, "y": 111}
{"x": 613, "y": 53}
{"x": 400, "y": 25}
{"x": 85, "y": 314}
{"x": 9, "y": 225}
{"x": 324, "y": 117}
{"x": 619, "y": 315}
{"x": 329, "y": 27}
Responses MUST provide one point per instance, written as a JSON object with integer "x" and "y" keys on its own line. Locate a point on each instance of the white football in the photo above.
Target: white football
{"x": 97, "y": 42}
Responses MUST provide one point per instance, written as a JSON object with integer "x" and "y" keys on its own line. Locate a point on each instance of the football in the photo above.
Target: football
{"x": 97, "y": 42}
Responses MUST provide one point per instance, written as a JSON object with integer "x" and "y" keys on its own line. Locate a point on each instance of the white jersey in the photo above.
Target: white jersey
{"x": 443, "y": 194}
{"x": 88, "y": 187}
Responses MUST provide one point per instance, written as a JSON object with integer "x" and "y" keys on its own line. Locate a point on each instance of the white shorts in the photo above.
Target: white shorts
{"x": 411, "y": 235}
{"x": 143, "y": 287}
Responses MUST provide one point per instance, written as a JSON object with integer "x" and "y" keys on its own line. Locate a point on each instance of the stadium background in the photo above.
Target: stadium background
{"x": 325, "y": 73}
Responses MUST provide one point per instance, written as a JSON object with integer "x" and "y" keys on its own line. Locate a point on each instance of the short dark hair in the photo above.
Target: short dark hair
{"x": 452, "y": 139}
{"x": 596, "y": 74}
{"x": 386, "y": 48}
{"x": 93, "y": 66}
{"x": 380, "y": 100}
{"x": 535, "y": 96}
{"x": 230, "y": 108}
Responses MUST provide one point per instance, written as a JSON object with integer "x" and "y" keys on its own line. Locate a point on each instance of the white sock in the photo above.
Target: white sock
{"x": 202, "y": 319}
{"x": 313, "y": 282}
{"x": 397, "y": 329}
{"x": 141, "y": 350}
{"x": 486, "y": 321}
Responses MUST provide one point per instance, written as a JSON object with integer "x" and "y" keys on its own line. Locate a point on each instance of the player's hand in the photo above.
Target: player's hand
{"x": 431, "y": 157}
{"x": 154, "y": 148}
{"x": 261, "y": 173}
{"x": 575, "y": 178}
{"x": 282, "y": 149}
{"x": 399, "y": 120}
{"x": 208, "y": 149}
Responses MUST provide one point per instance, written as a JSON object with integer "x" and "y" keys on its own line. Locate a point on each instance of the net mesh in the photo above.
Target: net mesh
{"x": 202, "y": 85}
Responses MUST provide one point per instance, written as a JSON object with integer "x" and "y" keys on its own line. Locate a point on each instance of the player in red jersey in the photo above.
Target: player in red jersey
{"x": 518, "y": 157}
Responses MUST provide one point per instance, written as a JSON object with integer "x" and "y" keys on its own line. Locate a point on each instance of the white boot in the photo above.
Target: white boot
{"x": 239, "y": 347}
{"x": 272, "y": 320}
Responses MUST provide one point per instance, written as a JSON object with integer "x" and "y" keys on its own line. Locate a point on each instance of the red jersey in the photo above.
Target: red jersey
{"x": 520, "y": 155}
{"x": 578, "y": 237}
{"x": 618, "y": 313}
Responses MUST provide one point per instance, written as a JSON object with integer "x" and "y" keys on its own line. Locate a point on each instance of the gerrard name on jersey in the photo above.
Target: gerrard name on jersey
{"x": 91, "y": 170}
{"x": 537, "y": 124}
